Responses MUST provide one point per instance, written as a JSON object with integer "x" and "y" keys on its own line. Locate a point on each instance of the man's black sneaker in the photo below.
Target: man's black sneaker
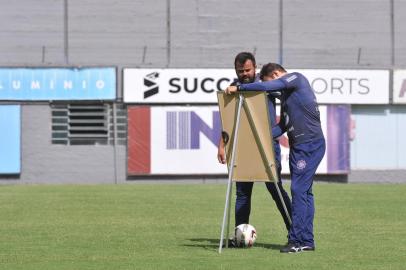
{"x": 291, "y": 248}
{"x": 231, "y": 243}
{"x": 307, "y": 248}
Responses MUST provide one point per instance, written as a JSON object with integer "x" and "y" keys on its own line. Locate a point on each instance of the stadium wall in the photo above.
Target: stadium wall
{"x": 200, "y": 34}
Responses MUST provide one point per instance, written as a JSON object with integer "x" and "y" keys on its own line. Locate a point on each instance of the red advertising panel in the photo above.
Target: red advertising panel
{"x": 139, "y": 136}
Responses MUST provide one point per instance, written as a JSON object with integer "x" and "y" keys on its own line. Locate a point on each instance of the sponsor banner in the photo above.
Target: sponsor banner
{"x": 175, "y": 85}
{"x": 399, "y": 86}
{"x": 36, "y": 84}
{"x": 349, "y": 86}
{"x": 183, "y": 140}
{"x": 139, "y": 140}
{"x": 338, "y": 127}
{"x": 173, "y": 140}
{"x": 200, "y": 85}
{"x": 10, "y": 139}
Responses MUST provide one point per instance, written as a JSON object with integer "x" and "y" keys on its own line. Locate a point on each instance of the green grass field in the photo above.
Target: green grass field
{"x": 170, "y": 226}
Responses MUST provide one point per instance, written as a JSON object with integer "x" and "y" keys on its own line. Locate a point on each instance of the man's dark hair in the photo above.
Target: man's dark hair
{"x": 269, "y": 68}
{"x": 242, "y": 57}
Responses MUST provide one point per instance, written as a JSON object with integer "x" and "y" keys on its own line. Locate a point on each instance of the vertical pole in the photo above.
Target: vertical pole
{"x": 392, "y": 31}
{"x": 226, "y": 215}
{"x": 281, "y": 32}
{"x": 65, "y": 31}
{"x": 43, "y": 54}
{"x": 359, "y": 55}
{"x": 115, "y": 141}
{"x": 283, "y": 202}
{"x": 168, "y": 32}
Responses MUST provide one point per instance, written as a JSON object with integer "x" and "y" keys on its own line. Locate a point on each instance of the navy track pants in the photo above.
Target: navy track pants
{"x": 304, "y": 159}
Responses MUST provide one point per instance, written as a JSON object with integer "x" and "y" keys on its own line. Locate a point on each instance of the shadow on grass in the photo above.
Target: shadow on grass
{"x": 209, "y": 243}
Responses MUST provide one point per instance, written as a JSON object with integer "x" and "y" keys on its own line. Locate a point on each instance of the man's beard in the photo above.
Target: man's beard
{"x": 247, "y": 79}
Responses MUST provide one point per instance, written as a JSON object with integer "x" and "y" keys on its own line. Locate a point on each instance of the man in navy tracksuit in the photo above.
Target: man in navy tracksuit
{"x": 245, "y": 68}
{"x": 300, "y": 118}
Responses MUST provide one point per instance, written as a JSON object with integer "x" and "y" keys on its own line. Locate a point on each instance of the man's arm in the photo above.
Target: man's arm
{"x": 221, "y": 153}
{"x": 270, "y": 86}
{"x": 274, "y": 85}
{"x": 280, "y": 128}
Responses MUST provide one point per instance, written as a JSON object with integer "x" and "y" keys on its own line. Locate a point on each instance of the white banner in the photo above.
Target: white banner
{"x": 200, "y": 85}
{"x": 184, "y": 141}
{"x": 399, "y": 86}
{"x": 175, "y": 85}
{"x": 349, "y": 86}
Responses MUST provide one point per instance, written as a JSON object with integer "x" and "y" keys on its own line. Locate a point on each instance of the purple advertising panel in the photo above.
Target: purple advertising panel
{"x": 338, "y": 143}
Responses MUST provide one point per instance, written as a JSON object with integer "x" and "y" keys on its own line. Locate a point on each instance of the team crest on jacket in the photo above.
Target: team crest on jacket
{"x": 301, "y": 164}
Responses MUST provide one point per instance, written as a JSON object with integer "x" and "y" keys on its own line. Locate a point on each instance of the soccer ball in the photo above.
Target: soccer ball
{"x": 245, "y": 235}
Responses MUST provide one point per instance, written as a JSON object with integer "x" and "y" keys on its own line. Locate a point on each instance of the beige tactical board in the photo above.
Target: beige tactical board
{"x": 254, "y": 160}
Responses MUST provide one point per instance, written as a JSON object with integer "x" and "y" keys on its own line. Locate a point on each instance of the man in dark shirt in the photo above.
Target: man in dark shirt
{"x": 245, "y": 68}
{"x": 300, "y": 118}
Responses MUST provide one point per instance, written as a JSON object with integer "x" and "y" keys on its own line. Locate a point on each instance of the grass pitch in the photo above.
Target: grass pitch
{"x": 166, "y": 226}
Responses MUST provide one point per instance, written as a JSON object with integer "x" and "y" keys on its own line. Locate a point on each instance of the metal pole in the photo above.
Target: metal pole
{"x": 43, "y": 54}
{"x": 283, "y": 202}
{"x": 281, "y": 32}
{"x": 168, "y": 32}
{"x": 65, "y": 31}
{"x": 115, "y": 142}
{"x": 392, "y": 31}
{"x": 230, "y": 176}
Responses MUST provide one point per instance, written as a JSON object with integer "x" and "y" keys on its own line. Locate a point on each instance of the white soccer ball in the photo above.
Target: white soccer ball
{"x": 245, "y": 235}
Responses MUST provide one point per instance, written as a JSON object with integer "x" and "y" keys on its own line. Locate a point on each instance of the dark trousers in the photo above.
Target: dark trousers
{"x": 243, "y": 201}
{"x": 303, "y": 162}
